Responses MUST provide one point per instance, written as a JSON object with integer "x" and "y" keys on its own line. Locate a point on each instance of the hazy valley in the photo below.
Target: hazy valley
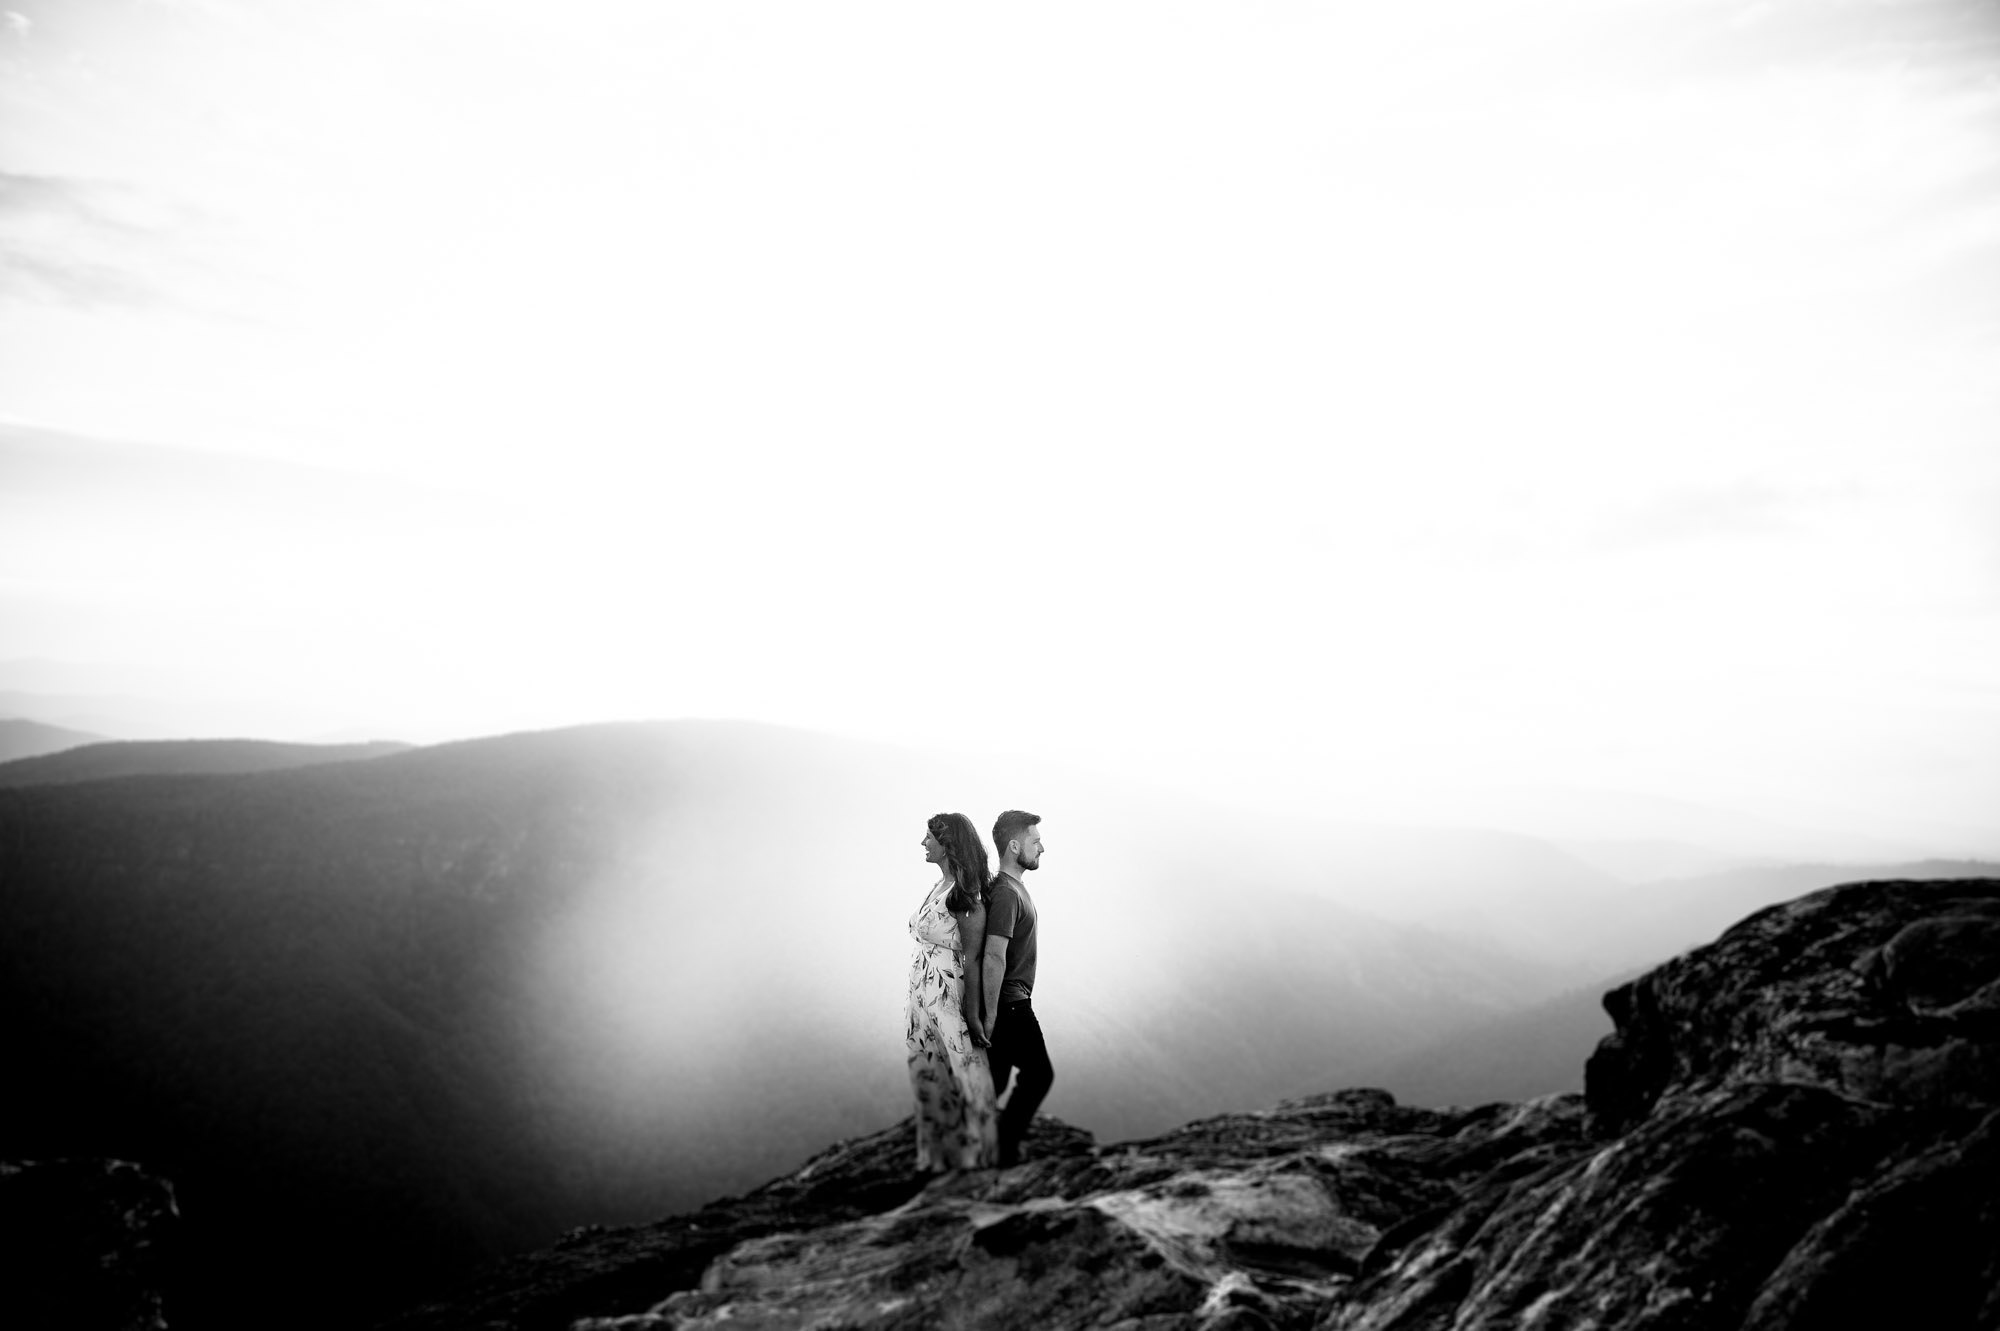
{"x": 407, "y": 1012}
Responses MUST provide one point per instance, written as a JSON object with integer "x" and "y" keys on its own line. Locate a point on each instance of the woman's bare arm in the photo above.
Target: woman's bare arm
{"x": 972, "y": 941}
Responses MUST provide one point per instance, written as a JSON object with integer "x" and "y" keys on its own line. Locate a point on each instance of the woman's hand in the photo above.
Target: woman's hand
{"x": 974, "y": 1027}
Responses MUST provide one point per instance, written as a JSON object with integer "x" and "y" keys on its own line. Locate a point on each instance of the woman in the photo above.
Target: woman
{"x": 957, "y": 1124}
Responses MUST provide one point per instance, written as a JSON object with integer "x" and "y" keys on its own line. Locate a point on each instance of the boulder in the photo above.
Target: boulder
{"x": 1875, "y": 990}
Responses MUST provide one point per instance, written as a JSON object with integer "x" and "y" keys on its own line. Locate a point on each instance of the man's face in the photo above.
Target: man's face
{"x": 1030, "y": 856}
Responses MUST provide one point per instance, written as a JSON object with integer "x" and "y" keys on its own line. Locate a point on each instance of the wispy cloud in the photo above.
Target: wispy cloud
{"x": 1885, "y": 55}
{"x": 1744, "y": 509}
{"x": 1757, "y": 36}
{"x": 1470, "y": 359}
{"x": 78, "y": 242}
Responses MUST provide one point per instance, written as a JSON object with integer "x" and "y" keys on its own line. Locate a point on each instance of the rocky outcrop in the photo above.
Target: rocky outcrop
{"x": 1791, "y": 1124}
{"x": 1261, "y": 1215}
{"x": 1886, "y": 992}
{"x": 1792, "y": 1128}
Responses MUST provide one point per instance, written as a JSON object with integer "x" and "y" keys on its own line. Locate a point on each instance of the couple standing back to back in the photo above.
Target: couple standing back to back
{"x": 969, "y": 1023}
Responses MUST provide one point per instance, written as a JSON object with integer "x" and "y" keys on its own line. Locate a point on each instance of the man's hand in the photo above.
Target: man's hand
{"x": 973, "y": 1025}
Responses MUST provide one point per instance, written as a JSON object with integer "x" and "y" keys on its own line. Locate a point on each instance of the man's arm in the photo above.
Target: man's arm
{"x": 993, "y": 971}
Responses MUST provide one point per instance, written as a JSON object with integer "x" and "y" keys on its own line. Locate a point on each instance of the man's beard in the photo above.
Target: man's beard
{"x": 1035, "y": 863}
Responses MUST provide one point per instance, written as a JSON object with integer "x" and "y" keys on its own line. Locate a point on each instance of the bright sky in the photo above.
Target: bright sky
{"x": 1285, "y": 397}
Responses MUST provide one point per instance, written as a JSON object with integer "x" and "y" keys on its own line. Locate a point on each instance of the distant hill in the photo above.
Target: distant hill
{"x": 1539, "y": 1050}
{"x": 1659, "y": 919}
{"x": 94, "y": 762}
{"x": 125, "y": 715}
{"x": 399, "y": 1015}
{"x": 29, "y": 739}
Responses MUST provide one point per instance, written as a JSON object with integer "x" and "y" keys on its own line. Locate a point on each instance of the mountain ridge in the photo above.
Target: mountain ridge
{"x": 108, "y": 760}
{"x": 24, "y": 739}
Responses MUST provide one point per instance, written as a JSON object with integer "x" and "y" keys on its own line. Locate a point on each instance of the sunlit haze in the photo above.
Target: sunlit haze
{"x": 1335, "y": 406}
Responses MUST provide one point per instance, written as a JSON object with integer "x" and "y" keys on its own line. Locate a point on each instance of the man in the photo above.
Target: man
{"x": 1008, "y": 969}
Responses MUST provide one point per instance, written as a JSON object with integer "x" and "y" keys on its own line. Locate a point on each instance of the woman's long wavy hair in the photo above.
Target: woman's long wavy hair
{"x": 965, "y": 861}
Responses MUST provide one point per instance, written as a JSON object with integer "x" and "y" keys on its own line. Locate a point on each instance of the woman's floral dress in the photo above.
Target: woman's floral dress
{"x": 957, "y": 1124}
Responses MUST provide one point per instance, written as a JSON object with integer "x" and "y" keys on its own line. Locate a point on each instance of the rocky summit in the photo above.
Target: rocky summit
{"x": 1795, "y": 1127}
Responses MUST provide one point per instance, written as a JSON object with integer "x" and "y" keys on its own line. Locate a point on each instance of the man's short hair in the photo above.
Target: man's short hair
{"x": 1009, "y": 825}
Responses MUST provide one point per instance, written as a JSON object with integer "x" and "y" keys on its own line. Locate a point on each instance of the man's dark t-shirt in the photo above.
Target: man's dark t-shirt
{"x": 1012, "y": 916}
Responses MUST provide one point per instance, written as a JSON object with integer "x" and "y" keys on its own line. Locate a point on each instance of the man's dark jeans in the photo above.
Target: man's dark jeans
{"x": 1017, "y": 1043}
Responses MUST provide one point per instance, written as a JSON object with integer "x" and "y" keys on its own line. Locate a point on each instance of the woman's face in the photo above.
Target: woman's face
{"x": 933, "y": 849}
